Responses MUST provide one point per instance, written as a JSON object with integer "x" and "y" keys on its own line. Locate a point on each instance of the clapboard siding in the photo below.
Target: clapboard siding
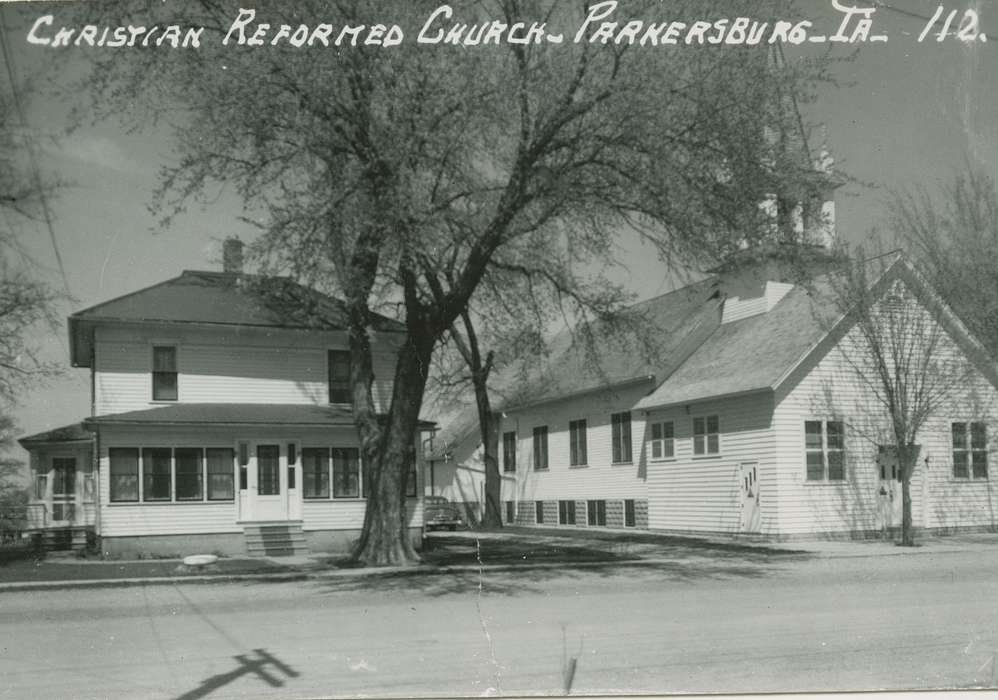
{"x": 218, "y": 366}
{"x": 701, "y": 493}
{"x": 349, "y": 514}
{"x": 833, "y": 390}
{"x": 600, "y": 478}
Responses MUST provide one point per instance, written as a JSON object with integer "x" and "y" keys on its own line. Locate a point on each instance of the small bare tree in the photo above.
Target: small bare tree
{"x": 904, "y": 348}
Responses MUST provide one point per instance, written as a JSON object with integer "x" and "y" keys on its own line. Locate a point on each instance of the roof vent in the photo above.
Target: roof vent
{"x": 232, "y": 255}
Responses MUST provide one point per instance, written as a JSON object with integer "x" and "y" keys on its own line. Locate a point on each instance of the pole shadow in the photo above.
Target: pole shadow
{"x": 264, "y": 666}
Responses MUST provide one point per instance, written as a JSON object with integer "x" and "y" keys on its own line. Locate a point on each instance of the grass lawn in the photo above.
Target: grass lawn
{"x": 27, "y": 570}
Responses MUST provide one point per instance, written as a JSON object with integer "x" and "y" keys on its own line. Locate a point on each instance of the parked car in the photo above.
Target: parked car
{"x": 439, "y": 512}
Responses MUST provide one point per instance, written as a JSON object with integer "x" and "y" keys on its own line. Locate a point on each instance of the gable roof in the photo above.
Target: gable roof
{"x": 744, "y": 356}
{"x": 645, "y": 342}
{"x": 218, "y": 298}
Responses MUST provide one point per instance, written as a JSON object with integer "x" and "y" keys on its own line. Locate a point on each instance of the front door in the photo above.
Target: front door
{"x": 888, "y": 488}
{"x": 270, "y": 498}
{"x": 751, "y": 516}
{"x": 63, "y": 490}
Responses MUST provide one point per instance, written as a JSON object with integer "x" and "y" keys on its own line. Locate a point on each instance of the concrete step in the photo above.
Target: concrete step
{"x": 275, "y": 539}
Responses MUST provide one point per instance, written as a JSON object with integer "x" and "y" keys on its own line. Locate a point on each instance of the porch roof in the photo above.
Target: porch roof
{"x": 67, "y": 433}
{"x": 304, "y": 415}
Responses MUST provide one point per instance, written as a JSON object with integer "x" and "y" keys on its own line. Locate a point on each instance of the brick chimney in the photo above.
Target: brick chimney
{"x": 232, "y": 255}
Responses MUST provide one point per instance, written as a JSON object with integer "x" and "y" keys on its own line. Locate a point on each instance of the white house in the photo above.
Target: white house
{"x": 734, "y": 406}
{"x": 220, "y": 421}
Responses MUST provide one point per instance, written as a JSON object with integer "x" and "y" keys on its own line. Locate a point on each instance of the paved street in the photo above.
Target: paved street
{"x": 742, "y": 623}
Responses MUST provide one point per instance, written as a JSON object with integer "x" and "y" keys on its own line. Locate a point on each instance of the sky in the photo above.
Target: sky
{"x": 905, "y": 114}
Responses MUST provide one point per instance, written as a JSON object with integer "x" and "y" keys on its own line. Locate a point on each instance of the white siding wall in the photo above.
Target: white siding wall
{"x": 701, "y": 493}
{"x": 224, "y": 366}
{"x": 834, "y": 390}
{"x": 599, "y": 478}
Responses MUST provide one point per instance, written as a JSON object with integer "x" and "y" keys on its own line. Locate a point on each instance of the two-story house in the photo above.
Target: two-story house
{"x": 220, "y": 421}
{"x": 736, "y": 405}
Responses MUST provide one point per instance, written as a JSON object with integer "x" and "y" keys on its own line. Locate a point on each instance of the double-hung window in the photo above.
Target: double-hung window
{"x": 596, "y": 512}
{"x": 164, "y": 373}
{"x": 124, "y": 473}
{"x": 220, "y": 460}
{"x": 824, "y": 445}
{"x": 621, "y": 435}
{"x": 509, "y": 452}
{"x": 577, "y": 443}
{"x": 346, "y": 472}
{"x": 339, "y": 377}
{"x": 156, "y": 474}
{"x": 188, "y": 483}
{"x": 541, "y": 447}
{"x": 706, "y": 435}
{"x": 315, "y": 472}
{"x": 970, "y": 450}
{"x": 663, "y": 440}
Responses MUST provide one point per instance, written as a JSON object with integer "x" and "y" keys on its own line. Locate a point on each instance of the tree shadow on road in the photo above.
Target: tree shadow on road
{"x": 521, "y": 565}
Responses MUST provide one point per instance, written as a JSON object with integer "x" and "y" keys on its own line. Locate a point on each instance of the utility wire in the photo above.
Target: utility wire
{"x": 29, "y": 146}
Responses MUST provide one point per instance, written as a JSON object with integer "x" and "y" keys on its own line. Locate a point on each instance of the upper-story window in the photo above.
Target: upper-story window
{"x": 621, "y": 434}
{"x": 164, "y": 373}
{"x": 339, "y": 377}
{"x": 706, "y": 435}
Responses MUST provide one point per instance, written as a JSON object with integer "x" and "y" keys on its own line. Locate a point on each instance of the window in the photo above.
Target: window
{"x": 970, "y": 458}
{"x": 188, "y": 479}
{"x": 629, "y": 512}
{"x": 220, "y": 461}
{"x": 268, "y": 470}
{"x": 706, "y": 438}
{"x": 663, "y": 440}
{"x": 566, "y": 512}
{"x": 510, "y": 511}
{"x": 292, "y": 461}
{"x": 541, "y": 447}
{"x": 243, "y": 466}
{"x": 339, "y": 377}
{"x": 63, "y": 476}
{"x": 539, "y": 512}
{"x": 509, "y": 452}
{"x": 577, "y": 443}
{"x": 164, "y": 373}
{"x": 41, "y": 486}
{"x": 315, "y": 472}
{"x": 596, "y": 512}
{"x": 824, "y": 445}
{"x": 156, "y": 474}
{"x": 411, "y": 484}
{"x": 346, "y": 472}
{"x": 621, "y": 432}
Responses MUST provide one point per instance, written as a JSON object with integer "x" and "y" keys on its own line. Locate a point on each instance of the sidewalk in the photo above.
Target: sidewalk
{"x": 470, "y": 552}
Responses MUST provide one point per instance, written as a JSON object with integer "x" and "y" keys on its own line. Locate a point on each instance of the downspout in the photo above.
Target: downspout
{"x": 95, "y": 443}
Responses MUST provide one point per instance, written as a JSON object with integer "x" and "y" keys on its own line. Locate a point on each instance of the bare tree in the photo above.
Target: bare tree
{"x": 955, "y": 241}
{"x": 401, "y": 174}
{"x": 905, "y": 349}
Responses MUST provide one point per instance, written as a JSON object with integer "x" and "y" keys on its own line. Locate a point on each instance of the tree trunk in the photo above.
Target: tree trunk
{"x": 907, "y": 457}
{"x": 385, "y": 539}
{"x": 489, "y": 423}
